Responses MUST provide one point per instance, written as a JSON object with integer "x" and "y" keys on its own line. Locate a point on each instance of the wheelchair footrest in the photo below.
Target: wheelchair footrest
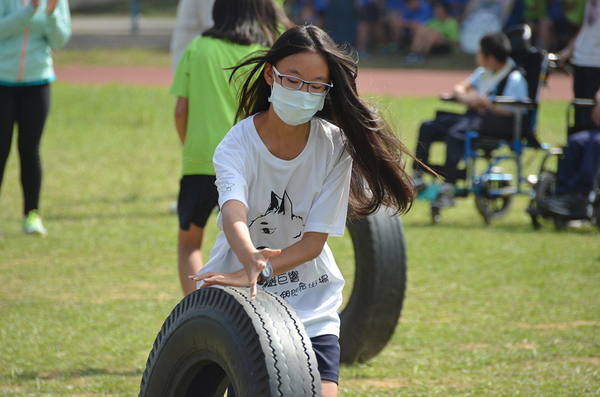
{"x": 500, "y": 192}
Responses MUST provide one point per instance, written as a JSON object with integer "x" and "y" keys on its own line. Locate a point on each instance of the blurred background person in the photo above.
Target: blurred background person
{"x": 193, "y": 18}
{"x": 28, "y": 33}
{"x": 439, "y": 34}
{"x": 206, "y": 107}
{"x": 584, "y": 53}
{"x": 307, "y": 12}
{"x": 404, "y": 17}
{"x": 370, "y": 31}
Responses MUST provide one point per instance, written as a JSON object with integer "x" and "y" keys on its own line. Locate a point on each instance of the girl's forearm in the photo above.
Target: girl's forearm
{"x": 307, "y": 249}
{"x": 238, "y": 236}
{"x": 236, "y": 230}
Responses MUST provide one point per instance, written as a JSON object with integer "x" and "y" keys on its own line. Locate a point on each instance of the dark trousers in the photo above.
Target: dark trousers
{"x": 451, "y": 128}
{"x": 586, "y": 82}
{"x": 448, "y": 128}
{"x": 579, "y": 164}
{"x": 27, "y": 107}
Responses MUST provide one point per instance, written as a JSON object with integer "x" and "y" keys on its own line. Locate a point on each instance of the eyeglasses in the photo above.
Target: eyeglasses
{"x": 295, "y": 83}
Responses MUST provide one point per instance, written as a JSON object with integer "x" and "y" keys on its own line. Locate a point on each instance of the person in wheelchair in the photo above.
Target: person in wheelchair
{"x": 577, "y": 170}
{"x": 497, "y": 74}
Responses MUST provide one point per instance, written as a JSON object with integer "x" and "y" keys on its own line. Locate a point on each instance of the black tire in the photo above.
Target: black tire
{"x": 371, "y": 315}
{"x": 543, "y": 189}
{"x": 216, "y": 336}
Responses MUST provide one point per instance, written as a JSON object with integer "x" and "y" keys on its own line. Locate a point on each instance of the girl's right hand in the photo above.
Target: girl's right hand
{"x": 255, "y": 264}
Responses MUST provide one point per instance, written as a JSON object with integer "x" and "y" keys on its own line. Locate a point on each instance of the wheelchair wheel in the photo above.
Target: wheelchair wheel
{"x": 491, "y": 207}
{"x": 436, "y": 215}
{"x": 542, "y": 190}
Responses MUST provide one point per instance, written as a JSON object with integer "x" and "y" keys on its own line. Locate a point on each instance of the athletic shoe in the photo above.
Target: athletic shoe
{"x": 32, "y": 224}
{"x": 445, "y": 197}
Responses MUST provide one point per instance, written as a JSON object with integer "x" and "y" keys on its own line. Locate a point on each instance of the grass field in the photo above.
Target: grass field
{"x": 490, "y": 311}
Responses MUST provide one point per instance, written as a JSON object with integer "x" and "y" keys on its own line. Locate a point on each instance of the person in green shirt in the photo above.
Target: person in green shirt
{"x": 205, "y": 110}
{"x": 439, "y": 33}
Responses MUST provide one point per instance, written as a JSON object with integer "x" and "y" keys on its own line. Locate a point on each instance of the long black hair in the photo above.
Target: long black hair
{"x": 378, "y": 175}
{"x": 248, "y": 21}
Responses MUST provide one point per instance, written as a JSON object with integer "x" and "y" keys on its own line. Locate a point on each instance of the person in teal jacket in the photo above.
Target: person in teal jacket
{"x": 29, "y": 30}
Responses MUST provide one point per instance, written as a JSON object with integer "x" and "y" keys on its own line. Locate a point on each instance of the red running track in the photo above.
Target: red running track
{"x": 396, "y": 82}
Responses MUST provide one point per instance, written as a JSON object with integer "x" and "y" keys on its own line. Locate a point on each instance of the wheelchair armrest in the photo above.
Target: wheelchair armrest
{"x": 583, "y": 102}
{"x": 511, "y": 101}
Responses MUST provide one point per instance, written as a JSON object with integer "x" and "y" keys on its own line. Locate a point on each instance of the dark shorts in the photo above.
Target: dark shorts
{"x": 327, "y": 350}
{"x": 198, "y": 196}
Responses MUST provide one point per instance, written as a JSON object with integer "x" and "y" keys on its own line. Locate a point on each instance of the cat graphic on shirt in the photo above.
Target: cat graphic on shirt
{"x": 279, "y": 206}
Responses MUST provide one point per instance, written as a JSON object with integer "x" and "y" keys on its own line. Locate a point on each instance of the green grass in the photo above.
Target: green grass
{"x": 112, "y": 57}
{"x": 161, "y": 57}
{"x": 162, "y": 8}
{"x": 490, "y": 311}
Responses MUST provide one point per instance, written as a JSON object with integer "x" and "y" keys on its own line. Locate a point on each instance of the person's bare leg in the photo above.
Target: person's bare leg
{"x": 417, "y": 41}
{"x": 189, "y": 251}
{"x": 362, "y": 36}
{"x": 329, "y": 388}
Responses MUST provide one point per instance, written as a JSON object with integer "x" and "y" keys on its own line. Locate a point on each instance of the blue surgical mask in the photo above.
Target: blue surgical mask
{"x": 294, "y": 107}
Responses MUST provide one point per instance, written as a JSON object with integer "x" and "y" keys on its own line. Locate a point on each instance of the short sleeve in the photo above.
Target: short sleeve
{"x": 328, "y": 211}
{"x": 516, "y": 86}
{"x": 475, "y": 78}
{"x": 181, "y": 80}
{"x": 232, "y": 171}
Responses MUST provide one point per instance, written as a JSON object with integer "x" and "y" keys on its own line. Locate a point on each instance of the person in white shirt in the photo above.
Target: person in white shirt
{"x": 584, "y": 52}
{"x": 193, "y": 18}
{"x": 308, "y": 151}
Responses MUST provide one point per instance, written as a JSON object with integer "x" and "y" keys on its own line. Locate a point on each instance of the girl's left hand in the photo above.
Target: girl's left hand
{"x": 50, "y": 6}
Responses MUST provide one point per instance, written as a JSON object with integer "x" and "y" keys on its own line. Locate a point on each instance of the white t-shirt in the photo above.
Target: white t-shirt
{"x": 587, "y": 45}
{"x": 285, "y": 199}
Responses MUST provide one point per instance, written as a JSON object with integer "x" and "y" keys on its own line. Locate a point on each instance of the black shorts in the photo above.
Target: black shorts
{"x": 327, "y": 350}
{"x": 198, "y": 196}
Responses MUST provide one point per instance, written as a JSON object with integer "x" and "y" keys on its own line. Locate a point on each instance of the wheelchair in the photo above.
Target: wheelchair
{"x": 483, "y": 175}
{"x": 545, "y": 184}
